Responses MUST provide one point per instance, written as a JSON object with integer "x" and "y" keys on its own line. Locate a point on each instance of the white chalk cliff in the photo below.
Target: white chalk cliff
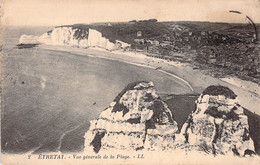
{"x": 139, "y": 120}
{"x": 136, "y": 120}
{"x": 75, "y": 37}
{"x": 95, "y": 39}
{"x": 65, "y": 36}
{"x": 218, "y": 125}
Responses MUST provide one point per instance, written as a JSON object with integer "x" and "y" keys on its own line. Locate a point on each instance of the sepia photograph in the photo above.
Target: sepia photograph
{"x": 130, "y": 82}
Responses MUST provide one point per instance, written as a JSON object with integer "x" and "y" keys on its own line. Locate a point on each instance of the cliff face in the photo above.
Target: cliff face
{"x": 74, "y": 37}
{"x": 95, "y": 39}
{"x": 65, "y": 36}
{"x": 218, "y": 125}
{"x": 137, "y": 119}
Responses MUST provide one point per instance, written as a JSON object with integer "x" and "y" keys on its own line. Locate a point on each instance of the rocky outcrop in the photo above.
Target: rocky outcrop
{"x": 218, "y": 124}
{"x": 137, "y": 119}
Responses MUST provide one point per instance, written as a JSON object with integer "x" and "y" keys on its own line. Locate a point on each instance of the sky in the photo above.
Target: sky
{"x": 64, "y": 12}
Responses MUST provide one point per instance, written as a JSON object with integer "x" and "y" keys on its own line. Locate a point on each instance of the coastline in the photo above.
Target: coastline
{"x": 248, "y": 93}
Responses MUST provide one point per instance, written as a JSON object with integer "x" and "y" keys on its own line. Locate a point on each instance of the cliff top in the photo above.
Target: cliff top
{"x": 215, "y": 90}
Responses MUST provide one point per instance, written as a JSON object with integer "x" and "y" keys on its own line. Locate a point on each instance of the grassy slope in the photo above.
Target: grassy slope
{"x": 126, "y": 31}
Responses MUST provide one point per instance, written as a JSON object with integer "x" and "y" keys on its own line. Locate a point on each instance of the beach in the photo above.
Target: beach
{"x": 248, "y": 92}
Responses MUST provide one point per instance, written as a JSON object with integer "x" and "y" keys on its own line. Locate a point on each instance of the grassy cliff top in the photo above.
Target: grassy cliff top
{"x": 216, "y": 90}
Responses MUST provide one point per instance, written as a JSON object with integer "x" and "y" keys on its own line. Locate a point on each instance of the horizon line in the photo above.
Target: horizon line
{"x": 25, "y": 25}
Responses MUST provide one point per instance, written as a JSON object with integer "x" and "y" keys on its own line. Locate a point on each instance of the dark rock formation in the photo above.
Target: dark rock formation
{"x": 218, "y": 124}
{"x": 137, "y": 119}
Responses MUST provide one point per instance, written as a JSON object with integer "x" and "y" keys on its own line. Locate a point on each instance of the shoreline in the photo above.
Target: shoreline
{"x": 247, "y": 92}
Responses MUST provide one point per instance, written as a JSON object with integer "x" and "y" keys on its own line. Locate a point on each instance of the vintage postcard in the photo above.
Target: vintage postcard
{"x": 130, "y": 82}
